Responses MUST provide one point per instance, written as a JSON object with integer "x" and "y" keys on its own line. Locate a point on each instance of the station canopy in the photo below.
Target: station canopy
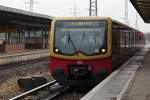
{"x": 11, "y": 17}
{"x": 143, "y": 8}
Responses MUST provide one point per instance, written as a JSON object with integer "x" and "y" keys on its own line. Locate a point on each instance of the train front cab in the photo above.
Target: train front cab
{"x": 79, "y": 69}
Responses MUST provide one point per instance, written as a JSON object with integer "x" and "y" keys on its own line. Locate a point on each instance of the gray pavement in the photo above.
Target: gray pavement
{"x": 140, "y": 88}
{"x": 29, "y": 51}
{"x": 7, "y": 58}
{"x": 117, "y": 85}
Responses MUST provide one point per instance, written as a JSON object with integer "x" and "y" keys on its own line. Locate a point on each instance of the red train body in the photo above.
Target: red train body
{"x": 100, "y": 68}
{"x": 84, "y": 63}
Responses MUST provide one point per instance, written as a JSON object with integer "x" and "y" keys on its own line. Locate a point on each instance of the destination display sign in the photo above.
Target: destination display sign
{"x": 78, "y": 23}
{"x": 80, "y": 29}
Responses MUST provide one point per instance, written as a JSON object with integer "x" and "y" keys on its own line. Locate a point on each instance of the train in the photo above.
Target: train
{"x": 85, "y": 50}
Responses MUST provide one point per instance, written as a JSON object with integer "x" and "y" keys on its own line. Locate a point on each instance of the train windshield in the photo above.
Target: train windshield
{"x": 86, "y": 37}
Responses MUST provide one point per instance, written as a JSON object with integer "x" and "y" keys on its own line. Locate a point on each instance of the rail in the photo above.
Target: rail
{"x": 19, "y": 97}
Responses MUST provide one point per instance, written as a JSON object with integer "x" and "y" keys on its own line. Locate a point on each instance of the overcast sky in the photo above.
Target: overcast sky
{"x": 110, "y": 8}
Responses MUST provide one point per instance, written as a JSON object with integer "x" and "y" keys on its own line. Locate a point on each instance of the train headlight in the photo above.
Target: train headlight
{"x": 103, "y": 50}
{"x": 56, "y": 50}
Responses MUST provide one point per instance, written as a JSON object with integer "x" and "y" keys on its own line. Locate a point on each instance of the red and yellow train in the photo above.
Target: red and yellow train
{"x": 83, "y": 51}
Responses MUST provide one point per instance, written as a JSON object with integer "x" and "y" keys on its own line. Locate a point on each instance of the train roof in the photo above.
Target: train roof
{"x": 80, "y": 18}
{"x": 124, "y": 24}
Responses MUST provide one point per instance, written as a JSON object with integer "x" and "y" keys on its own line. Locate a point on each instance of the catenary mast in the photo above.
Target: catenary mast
{"x": 93, "y": 8}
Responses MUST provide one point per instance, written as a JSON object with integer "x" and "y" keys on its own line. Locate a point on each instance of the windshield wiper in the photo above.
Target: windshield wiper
{"x": 82, "y": 38}
{"x": 70, "y": 39}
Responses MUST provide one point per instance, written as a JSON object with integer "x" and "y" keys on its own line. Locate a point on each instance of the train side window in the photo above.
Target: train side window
{"x": 121, "y": 39}
{"x": 32, "y": 34}
{"x": 26, "y": 34}
{"x": 132, "y": 38}
{"x": 115, "y": 39}
{"x": 127, "y": 39}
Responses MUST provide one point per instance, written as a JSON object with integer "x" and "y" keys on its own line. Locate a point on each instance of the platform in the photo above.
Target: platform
{"x": 140, "y": 88}
{"x": 122, "y": 83}
{"x": 7, "y": 58}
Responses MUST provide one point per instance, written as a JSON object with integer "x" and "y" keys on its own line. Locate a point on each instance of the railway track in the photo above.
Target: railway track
{"x": 73, "y": 94}
{"x": 57, "y": 94}
{"x": 15, "y": 64}
{"x": 36, "y": 93}
{"x": 54, "y": 93}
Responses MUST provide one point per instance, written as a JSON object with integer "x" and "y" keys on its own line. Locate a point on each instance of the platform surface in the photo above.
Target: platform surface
{"x": 140, "y": 88}
{"x": 117, "y": 85}
{"x": 29, "y": 51}
{"x": 7, "y": 58}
